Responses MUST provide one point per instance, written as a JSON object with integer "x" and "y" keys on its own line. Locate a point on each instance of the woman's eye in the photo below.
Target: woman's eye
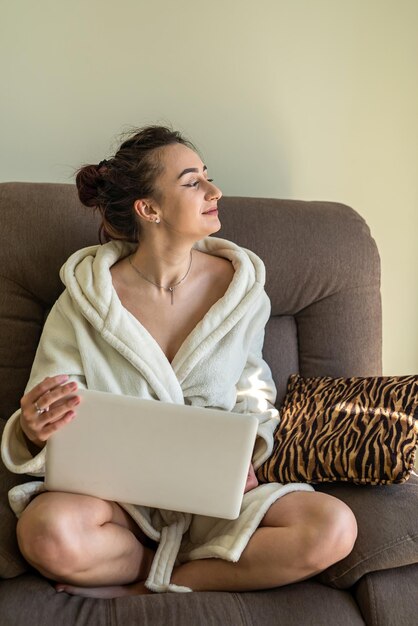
{"x": 196, "y": 183}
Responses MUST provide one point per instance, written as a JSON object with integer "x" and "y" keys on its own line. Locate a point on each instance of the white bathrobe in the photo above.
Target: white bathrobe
{"x": 91, "y": 337}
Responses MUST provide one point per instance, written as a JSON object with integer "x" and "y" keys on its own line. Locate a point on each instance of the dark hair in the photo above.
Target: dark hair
{"x": 113, "y": 185}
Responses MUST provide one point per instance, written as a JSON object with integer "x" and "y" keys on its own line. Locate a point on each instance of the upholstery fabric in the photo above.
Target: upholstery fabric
{"x": 29, "y": 280}
{"x": 278, "y": 607}
{"x": 381, "y": 597}
{"x": 11, "y": 562}
{"x": 303, "y": 604}
{"x": 387, "y": 523}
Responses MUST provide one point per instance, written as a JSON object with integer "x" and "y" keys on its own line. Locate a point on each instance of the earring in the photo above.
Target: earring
{"x": 157, "y": 221}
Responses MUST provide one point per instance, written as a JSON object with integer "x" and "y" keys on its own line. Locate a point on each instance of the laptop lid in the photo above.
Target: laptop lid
{"x": 157, "y": 454}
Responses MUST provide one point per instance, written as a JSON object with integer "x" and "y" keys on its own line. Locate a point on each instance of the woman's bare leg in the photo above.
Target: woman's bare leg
{"x": 83, "y": 541}
{"x": 302, "y": 534}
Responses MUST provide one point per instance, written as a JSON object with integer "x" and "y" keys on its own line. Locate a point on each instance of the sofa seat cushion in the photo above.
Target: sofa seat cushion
{"x": 387, "y": 519}
{"x": 30, "y": 599}
{"x": 387, "y": 598}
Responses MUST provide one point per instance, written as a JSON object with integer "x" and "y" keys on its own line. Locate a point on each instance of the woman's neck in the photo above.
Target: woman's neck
{"x": 163, "y": 265}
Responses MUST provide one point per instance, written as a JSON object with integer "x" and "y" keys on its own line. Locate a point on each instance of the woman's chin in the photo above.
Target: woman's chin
{"x": 209, "y": 230}
{"x": 215, "y": 228}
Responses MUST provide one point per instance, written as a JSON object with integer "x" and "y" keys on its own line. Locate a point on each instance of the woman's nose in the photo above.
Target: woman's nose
{"x": 213, "y": 192}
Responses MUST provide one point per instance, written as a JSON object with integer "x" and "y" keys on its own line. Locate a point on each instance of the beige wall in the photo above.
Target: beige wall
{"x": 307, "y": 99}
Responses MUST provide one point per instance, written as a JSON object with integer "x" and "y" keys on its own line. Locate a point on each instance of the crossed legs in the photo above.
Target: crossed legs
{"x": 83, "y": 541}
{"x": 302, "y": 534}
{"x": 92, "y": 547}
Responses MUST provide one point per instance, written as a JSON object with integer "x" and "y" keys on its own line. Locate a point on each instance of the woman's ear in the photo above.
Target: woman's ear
{"x": 144, "y": 210}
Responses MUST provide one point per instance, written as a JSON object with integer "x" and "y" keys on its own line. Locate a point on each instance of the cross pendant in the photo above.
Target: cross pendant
{"x": 171, "y": 290}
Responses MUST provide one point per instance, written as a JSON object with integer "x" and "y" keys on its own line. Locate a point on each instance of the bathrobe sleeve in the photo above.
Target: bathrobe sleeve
{"x": 256, "y": 394}
{"x": 57, "y": 353}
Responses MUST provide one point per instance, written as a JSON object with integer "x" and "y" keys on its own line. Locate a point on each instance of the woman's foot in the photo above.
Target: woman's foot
{"x": 116, "y": 591}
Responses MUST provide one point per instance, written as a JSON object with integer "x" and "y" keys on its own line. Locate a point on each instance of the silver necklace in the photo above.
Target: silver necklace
{"x": 172, "y": 287}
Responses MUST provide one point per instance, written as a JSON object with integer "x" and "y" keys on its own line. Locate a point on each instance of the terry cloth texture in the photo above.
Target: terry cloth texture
{"x": 93, "y": 338}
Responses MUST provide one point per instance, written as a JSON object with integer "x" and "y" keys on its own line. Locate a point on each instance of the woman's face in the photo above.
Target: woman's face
{"x": 187, "y": 198}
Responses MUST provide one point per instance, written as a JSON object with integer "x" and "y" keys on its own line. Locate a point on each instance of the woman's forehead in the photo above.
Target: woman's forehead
{"x": 177, "y": 158}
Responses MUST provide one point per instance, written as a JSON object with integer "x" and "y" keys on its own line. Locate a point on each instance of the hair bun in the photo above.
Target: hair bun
{"x": 112, "y": 186}
{"x": 87, "y": 181}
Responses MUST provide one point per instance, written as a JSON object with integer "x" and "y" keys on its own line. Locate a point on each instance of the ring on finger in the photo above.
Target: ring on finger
{"x": 39, "y": 410}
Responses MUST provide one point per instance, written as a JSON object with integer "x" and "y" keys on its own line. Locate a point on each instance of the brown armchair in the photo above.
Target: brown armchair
{"x": 323, "y": 279}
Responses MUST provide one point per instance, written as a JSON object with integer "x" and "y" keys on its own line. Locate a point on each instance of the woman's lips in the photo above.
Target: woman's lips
{"x": 212, "y": 212}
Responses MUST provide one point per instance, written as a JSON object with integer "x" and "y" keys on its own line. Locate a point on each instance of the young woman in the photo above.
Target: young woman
{"x": 165, "y": 312}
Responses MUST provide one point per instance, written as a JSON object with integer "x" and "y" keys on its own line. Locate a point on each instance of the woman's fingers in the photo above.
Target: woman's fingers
{"x": 47, "y": 406}
{"x": 53, "y": 398}
{"x": 43, "y": 387}
{"x": 57, "y": 411}
{"x": 52, "y": 427}
{"x": 42, "y": 397}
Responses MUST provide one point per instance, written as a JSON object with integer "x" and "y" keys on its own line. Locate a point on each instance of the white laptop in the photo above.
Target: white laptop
{"x": 157, "y": 454}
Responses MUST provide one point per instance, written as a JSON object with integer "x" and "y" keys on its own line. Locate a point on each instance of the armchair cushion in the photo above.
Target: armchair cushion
{"x": 387, "y": 529}
{"x": 11, "y": 562}
{"x": 362, "y": 430}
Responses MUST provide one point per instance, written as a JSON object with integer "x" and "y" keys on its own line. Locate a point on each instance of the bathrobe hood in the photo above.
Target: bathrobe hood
{"x": 86, "y": 276}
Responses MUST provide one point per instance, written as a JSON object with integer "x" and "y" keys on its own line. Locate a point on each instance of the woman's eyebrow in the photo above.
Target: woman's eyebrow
{"x": 190, "y": 169}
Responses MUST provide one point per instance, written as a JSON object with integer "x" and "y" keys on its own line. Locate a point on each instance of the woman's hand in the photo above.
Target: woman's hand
{"x": 252, "y": 481}
{"x": 47, "y": 407}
